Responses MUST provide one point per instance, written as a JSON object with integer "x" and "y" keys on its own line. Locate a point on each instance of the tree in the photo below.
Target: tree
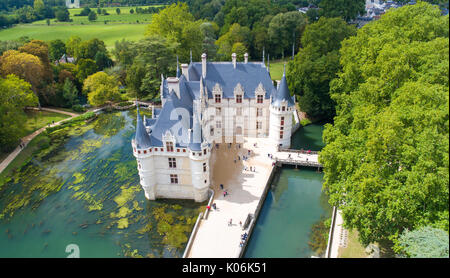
{"x": 235, "y": 34}
{"x": 39, "y": 49}
{"x": 70, "y": 93}
{"x": 62, "y": 14}
{"x": 56, "y": 49}
{"x": 131, "y": 11}
{"x": 424, "y": 242}
{"x": 15, "y": 95}
{"x": 347, "y": 9}
{"x": 72, "y": 45}
{"x": 23, "y": 65}
{"x": 118, "y": 11}
{"x": 85, "y": 67}
{"x": 88, "y": 49}
{"x": 103, "y": 60}
{"x": 177, "y": 25}
{"x": 155, "y": 56}
{"x": 124, "y": 52}
{"x": 92, "y": 16}
{"x": 101, "y": 88}
{"x": 240, "y": 49}
{"x": 386, "y": 155}
{"x": 284, "y": 30}
{"x": 316, "y": 64}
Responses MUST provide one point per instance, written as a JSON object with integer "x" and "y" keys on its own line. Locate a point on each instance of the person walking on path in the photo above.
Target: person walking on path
{"x": 214, "y": 206}
{"x": 221, "y": 186}
{"x": 230, "y": 223}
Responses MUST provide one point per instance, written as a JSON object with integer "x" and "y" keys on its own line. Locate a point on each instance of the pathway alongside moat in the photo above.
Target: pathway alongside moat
{"x": 215, "y": 238}
{"x": 25, "y": 140}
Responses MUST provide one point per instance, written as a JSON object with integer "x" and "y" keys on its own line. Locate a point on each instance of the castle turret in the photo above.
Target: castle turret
{"x": 281, "y": 107}
{"x": 143, "y": 152}
{"x": 199, "y": 154}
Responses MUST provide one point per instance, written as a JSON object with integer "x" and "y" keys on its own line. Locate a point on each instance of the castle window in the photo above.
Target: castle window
{"x": 169, "y": 146}
{"x": 204, "y": 167}
{"x": 238, "y": 98}
{"x": 283, "y": 108}
{"x": 173, "y": 179}
{"x": 239, "y": 111}
{"x": 211, "y": 131}
{"x": 172, "y": 162}
{"x": 184, "y": 150}
{"x": 218, "y": 124}
{"x": 281, "y": 128}
{"x": 258, "y": 125}
{"x": 259, "y": 98}
{"x": 282, "y": 120}
{"x": 217, "y": 98}
{"x": 218, "y": 111}
{"x": 258, "y": 112}
{"x": 281, "y": 134}
{"x": 204, "y": 151}
{"x": 139, "y": 151}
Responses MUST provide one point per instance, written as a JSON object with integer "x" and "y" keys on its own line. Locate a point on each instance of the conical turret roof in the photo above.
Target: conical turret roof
{"x": 283, "y": 93}
{"x": 142, "y": 138}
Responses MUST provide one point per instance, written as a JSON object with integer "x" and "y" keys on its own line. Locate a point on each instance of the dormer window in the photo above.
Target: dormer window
{"x": 259, "y": 98}
{"x": 283, "y": 108}
{"x": 169, "y": 146}
{"x": 217, "y": 98}
{"x": 238, "y": 98}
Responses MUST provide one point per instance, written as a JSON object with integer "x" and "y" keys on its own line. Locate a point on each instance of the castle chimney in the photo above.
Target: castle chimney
{"x": 204, "y": 65}
{"x": 233, "y": 58}
{"x": 184, "y": 70}
{"x": 246, "y": 57}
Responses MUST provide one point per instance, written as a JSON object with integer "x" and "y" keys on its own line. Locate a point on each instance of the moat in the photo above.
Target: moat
{"x": 94, "y": 201}
{"x": 294, "y": 203}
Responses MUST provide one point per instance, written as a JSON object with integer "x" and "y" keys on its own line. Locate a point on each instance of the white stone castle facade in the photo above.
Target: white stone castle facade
{"x": 70, "y": 4}
{"x": 206, "y": 104}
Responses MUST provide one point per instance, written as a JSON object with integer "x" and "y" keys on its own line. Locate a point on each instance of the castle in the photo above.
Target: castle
{"x": 72, "y": 4}
{"x": 206, "y": 104}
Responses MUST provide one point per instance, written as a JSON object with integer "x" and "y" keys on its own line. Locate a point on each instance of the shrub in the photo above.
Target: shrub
{"x": 78, "y": 108}
{"x": 305, "y": 122}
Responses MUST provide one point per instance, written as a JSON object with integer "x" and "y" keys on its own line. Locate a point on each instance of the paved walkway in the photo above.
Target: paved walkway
{"x": 339, "y": 236}
{"x": 215, "y": 238}
{"x": 31, "y": 136}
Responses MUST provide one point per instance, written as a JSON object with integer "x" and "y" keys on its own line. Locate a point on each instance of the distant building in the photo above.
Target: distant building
{"x": 65, "y": 59}
{"x": 70, "y": 4}
{"x": 205, "y": 104}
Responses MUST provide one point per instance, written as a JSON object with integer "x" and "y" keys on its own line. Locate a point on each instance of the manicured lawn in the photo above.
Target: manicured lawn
{"x": 276, "y": 68}
{"x": 354, "y": 249}
{"x": 38, "y": 119}
{"x": 109, "y": 33}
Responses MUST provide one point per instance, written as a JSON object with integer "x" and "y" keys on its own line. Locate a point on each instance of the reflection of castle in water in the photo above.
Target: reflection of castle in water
{"x": 72, "y": 4}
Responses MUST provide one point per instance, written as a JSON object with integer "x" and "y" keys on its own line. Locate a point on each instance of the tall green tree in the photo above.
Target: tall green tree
{"x": 386, "y": 159}
{"x": 15, "y": 95}
{"x": 56, "y": 49}
{"x": 316, "y": 64}
{"x": 177, "y": 25}
{"x": 101, "y": 88}
{"x": 155, "y": 56}
{"x": 424, "y": 242}
{"x": 285, "y": 29}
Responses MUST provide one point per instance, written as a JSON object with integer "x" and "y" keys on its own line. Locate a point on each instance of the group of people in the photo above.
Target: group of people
{"x": 244, "y": 237}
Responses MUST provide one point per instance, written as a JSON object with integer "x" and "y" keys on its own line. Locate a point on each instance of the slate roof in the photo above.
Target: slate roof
{"x": 283, "y": 93}
{"x": 249, "y": 75}
{"x": 142, "y": 138}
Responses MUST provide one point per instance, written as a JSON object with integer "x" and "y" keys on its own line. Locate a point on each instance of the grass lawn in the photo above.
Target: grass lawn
{"x": 276, "y": 68}
{"x": 38, "y": 119}
{"x": 109, "y": 33}
{"x": 354, "y": 249}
